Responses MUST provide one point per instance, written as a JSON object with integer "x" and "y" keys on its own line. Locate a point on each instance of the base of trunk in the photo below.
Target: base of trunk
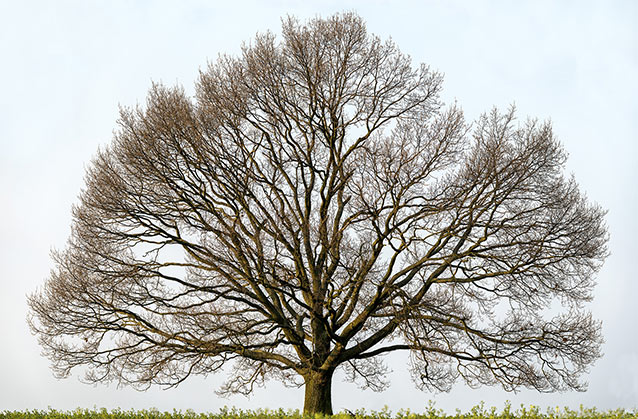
{"x": 318, "y": 397}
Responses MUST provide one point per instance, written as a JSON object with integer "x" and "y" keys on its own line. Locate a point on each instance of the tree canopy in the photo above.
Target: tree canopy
{"x": 316, "y": 206}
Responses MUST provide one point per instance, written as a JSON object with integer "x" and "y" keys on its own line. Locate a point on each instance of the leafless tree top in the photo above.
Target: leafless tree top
{"x": 316, "y": 206}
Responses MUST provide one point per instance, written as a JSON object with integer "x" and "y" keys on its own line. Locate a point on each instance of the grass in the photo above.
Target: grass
{"x": 477, "y": 412}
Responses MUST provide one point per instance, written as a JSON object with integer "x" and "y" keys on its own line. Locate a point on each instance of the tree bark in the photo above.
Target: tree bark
{"x": 318, "y": 397}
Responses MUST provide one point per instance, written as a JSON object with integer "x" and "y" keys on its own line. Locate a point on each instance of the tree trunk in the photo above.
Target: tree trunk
{"x": 318, "y": 398}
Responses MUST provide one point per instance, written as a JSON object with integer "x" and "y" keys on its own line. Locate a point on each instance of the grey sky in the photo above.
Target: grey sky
{"x": 65, "y": 66}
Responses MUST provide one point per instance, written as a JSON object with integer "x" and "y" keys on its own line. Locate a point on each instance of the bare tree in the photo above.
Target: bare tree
{"x": 316, "y": 206}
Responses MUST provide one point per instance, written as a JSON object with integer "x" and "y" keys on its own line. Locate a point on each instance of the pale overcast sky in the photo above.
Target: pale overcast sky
{"x": 66, "y": 65}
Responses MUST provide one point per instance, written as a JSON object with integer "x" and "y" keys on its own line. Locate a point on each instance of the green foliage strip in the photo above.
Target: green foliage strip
{"x": 477, "y": 412}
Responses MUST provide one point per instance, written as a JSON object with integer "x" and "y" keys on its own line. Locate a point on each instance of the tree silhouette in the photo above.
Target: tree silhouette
{"x": 316, "y": 207}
